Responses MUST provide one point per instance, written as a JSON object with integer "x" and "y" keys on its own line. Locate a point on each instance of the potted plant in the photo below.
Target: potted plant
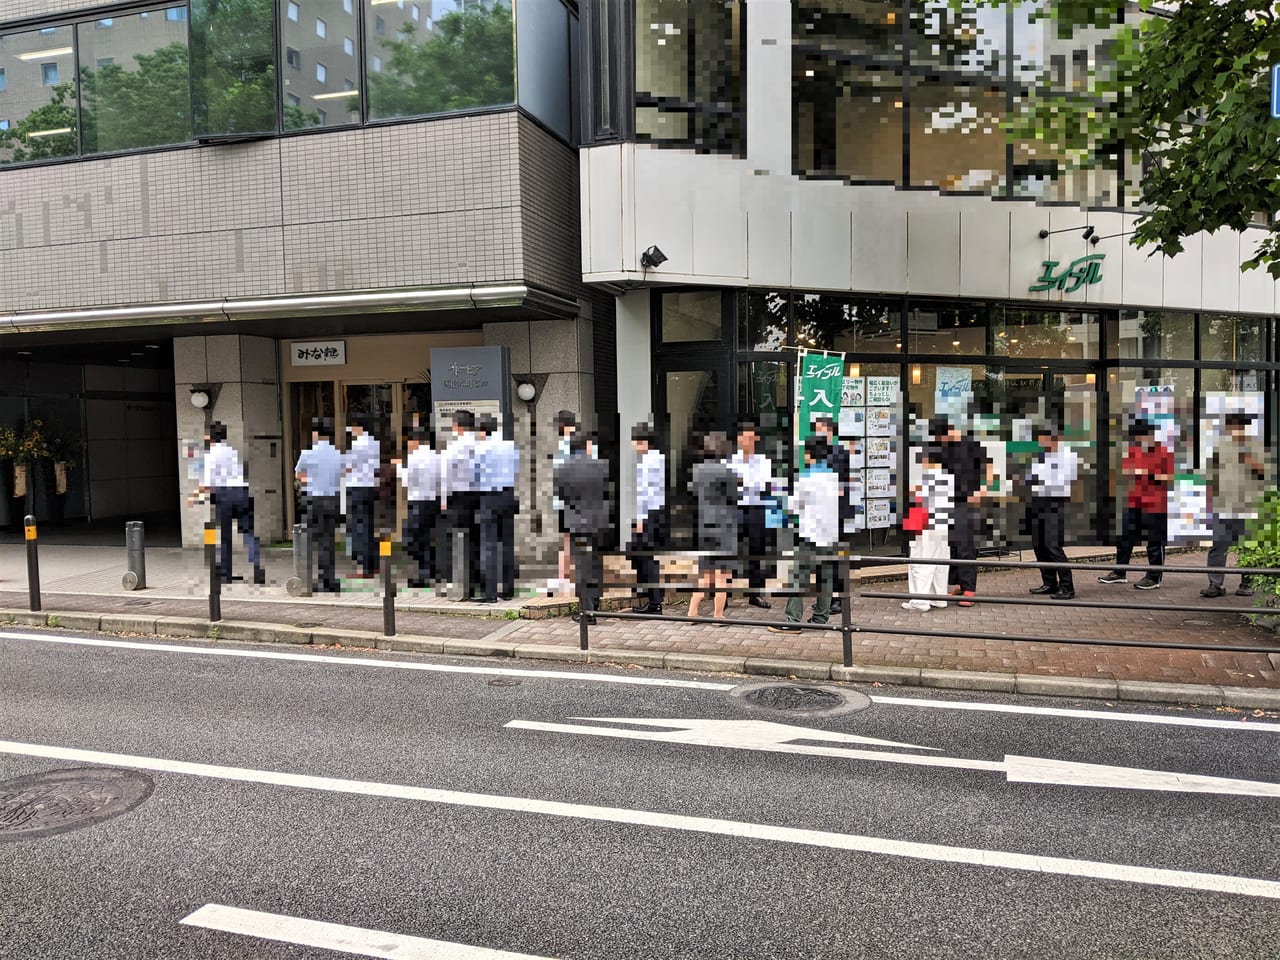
{"x": 8, "y": 450}
{"x": 32, "y": 448}
{"x": 64, "y": 454}
{"x": 1261, "y": 548}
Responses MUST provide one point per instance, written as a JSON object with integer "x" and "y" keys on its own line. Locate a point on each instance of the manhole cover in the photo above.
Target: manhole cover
{"x": 799, "y": 699}
{"x": 48, "y": 803}
{"x": 504, "y": 682}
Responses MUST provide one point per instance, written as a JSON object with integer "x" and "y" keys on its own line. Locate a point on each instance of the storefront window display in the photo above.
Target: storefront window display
{"x": 1045, "y": 334}
{"x": 1152, "y": 335}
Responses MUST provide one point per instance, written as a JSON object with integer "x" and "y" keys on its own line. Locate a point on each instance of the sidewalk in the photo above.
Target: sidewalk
{"x": 87, "y": 579}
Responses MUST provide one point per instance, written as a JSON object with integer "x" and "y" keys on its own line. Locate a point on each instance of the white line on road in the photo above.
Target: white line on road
{"x": 1059, "y": 866}
{"x": 1079, "y": 714}
{"x": 366, "y": 662}
{"x": 337, "y": 936}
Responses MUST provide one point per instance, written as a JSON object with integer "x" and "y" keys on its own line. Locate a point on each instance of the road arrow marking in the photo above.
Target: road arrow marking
{"x": 775, "y": 738}
{"x": 338, "y": 937}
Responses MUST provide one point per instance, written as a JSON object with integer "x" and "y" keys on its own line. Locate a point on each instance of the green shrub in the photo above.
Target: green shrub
{"x": 1261, "y": 548}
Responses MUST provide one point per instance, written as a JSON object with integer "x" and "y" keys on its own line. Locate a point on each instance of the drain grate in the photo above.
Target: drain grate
{"x": 48, "y": 803}
{"x": 799, "y": 699}
{"x": 504, "y": 682}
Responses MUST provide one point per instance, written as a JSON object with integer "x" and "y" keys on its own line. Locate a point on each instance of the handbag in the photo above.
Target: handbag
{"x": 917, "y": 518}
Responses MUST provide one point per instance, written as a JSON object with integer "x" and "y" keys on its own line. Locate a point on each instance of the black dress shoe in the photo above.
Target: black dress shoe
{"x": 651, "y": 608}
{"x": 577, "y": 618}
{"x": 327, "y": 588}
{"x": 506, "y": 596}
{"x": 837, "y": 606}
{"x": 1065, "y": 595}
{"x": 259, "y": 576}
{"x": 1043, "y": 589}
{"x": 759, "y": 601}
{"x": 486, "y": 600}
{"x": 416, "y": 583}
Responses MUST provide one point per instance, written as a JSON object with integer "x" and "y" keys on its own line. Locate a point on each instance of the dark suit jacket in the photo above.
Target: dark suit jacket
{"x": 582, "y": 484}
{"x": 838, "y": 461}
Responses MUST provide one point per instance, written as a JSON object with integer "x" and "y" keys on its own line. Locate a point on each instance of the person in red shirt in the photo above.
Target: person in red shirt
{"x": 1149, "y": 465}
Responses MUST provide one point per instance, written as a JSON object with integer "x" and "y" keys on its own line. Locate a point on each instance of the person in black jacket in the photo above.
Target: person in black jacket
{"x": 966, "y": 460}
{"x": 582, "y": 485}
{"x": 838, "y": 461}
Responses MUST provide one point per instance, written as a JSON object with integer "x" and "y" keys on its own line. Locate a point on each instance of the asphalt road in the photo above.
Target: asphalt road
{"x": 429, "y": 809}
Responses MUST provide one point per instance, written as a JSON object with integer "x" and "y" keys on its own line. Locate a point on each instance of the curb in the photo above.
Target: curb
{"x": 496, "y": 645}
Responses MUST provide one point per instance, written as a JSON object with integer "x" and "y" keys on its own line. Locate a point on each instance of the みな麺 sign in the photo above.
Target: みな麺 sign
{"x": 318, "y": 353}
{"x": 1082, "y": 272}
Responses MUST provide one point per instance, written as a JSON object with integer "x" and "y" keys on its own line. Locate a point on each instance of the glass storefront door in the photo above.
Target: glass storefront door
{"x": 690, "y": 404}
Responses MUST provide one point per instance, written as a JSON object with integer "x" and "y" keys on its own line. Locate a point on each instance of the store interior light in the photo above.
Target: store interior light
{"x": 916, "y": 373}
{"x": 855, "y": 370}
{"x": 37, "y": 134}
{"x": 44, "y": 54}
{"x": 335, "y": 96}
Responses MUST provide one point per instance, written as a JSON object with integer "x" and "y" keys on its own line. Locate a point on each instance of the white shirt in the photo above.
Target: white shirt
{"x": 755, "y": 473}
{"x": 651, "y": 483}
{"x": 459, "y": 465}
{"x": 938, "y": 493}
{"x": 360, "y": 464}
{"x": 222, "y": 467}
{"x": 497, "y": 463}
{"x": 420, "y": 474}
{"x": 816, "y": 502}
{"x": 1054, "y": 472}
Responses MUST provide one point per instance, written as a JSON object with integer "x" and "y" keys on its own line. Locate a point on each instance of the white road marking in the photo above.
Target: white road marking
{"x": 366, "y": 662}
{"x": 1079, "y": 714}
{"x": 773, "y": 737}
{"x": 1058, "y": 866}
{"x": 335, "y": 936}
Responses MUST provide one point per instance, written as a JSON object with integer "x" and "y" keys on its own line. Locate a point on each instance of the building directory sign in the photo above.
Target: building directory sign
{"x": 471, "y": 378}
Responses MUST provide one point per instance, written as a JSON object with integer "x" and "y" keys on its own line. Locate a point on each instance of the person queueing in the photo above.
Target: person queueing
{"x": 1237, "y": 470}
{"x": 458, "y": 489}
{"x": 754, "y": 473}
{"x": 419, "y": 474}
{"x": 566, "y": 427}
{"x": 966, "y": 460}
{"x": 361, "y": 465}
{"x": 840, "y": 463}
{"x": 649, "y": 530}
{"x": 497, "y": 464}
{"x": 223, "y": 482}
{"x": 1052, "y": 475}
{"x": 582, "y": 485}
{"x": 936, "y": 494}
{"x": 816, "y": 504}
{"x": 319, "y": 470}
{"x": 1148, "y": 464}
{"x": 716, "y": 487}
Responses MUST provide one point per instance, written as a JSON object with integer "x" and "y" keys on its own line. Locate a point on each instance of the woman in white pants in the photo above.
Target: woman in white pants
{"x": 936, "y": 492}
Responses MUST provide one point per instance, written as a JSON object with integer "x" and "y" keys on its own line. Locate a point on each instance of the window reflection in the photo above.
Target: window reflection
{"x": 38, "y": 95}
{"x": 320, "y": 72}
{"x": 692, "y": 316}
{"x": 1052, "y": 334}
{"x": 1153, "y": 335}
{"x": 956, "y": 329}
{"x": 1233, "y": 338}
{"x": 233, "y": 74}
{"x": 848, "y": 324}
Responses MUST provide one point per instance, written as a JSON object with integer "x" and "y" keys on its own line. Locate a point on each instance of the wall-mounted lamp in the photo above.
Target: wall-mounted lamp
{"x": 1087, "y": 234}
{"x": 855, "y": 370}
{"x": 1094, "y": 240}
{"x": 915, "y": 375}
{"x": 526, "y": 392}
{"x": 203, "y": 395}
{"x": 652, "y": 257}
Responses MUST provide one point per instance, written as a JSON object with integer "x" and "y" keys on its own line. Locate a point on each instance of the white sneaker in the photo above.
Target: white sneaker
{"x": 938, "y": 604}
{"x": 920, "y": 605}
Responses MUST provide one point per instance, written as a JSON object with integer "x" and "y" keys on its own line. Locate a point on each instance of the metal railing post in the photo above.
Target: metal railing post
{"x": 846, "y": 618}
{"x": 33, "y": 562}
{"x": 584, "y": 614}
{"x": 388, "y": 589}
{"x": 461, "y": 559}
{"x": 299, "y": 585}
{"x": 215, "y": 579}
{"x": 135, "y": 556}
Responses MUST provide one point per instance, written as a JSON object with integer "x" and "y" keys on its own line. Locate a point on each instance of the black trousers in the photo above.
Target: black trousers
{"x": 754, "y": 530}
{"x": 1136, "y": 522}
{"x": 962, "y": 537}
{"x": 364, "y": 548}
{"x": 419, "y": 529}
{"x": 321, "y": 518}
{"x": 1048, "y": 518}
{"x": 496, "y": 515}
{"x": 234, "y": 505}
{"x": 640, "y": 553}
{"x": 588, "y": 560}
{"x": 462, "y": 515}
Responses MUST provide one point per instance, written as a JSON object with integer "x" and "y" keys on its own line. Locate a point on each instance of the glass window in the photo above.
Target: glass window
{"x": 957, "y": 137}
{"x": 689, "y": 100}
{"x": 321, "y": 102}
{"x": 49, "y": 73}
{"x": 464, "y": 60}
{"x": 292, "y": 100}
{"x": 543, "y": 40}
{"x": 42, "y": 115}
{"x": 176, "y": 14}
{"x": 3, "y": 81}
{"x": 134, "y": 85}
{"x": 1234, "y": 338}
{"x": 1055, "y": 334}
{"x": 348, "y": 6}
{"x": 233, "y": 74}
{"x": 105, "y": 23}
{"x": 848, "y": 120}
{"x": 291, "y": 11}
{"x": 848, "y": 324}
{"x": 763, "y": 320}
{"x": 348, "y": 46}
{"x": 954, "y": 329}
{"x": 1152, "y": 335}
{"x": 692, "y": 316}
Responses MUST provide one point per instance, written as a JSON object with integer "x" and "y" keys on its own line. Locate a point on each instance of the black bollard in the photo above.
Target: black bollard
{"x": 846, "y": 621}
{"x": 460, "y": 541}
{"x": 33, "y": 562}
{"x": 135, "y": 554}
{"x": 215, "y": 581}
{"x": 388, "y": 589}
{"x": 299, "y": 585}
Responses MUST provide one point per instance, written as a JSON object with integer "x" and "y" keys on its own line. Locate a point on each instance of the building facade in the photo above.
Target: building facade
{"x": 188, "y": 192}
{"x": 832, "y": 175}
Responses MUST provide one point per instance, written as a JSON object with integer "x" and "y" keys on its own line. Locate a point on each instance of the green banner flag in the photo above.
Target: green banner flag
{"x": 818, "y": 383}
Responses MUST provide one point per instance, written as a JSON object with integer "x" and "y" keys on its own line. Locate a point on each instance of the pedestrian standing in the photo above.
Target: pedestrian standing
{"x": 1053, "y": 473}
{"x": 223, "y": 482}
{"x": 839, "y": 461}
{"x": 319, "y": 470}
{"x": 566, "y": 426}
{"x": 1237, "y": 470}
{"x": 966, "y": 460}
{"x": 362, "y": 465}
{"x": 649, "y": 531}
{"x": 716, "y": 487}
{"x": 458, "y": 491}
{"x": 1148, "y": 465}
{"x": 420, "y": 474}
{"x": 936, "y": 495}
{"x": 816, "y": 504}
{"x": 497, "y": 463}
{"x": 755, "y": 473}
{"x": 582, "y": 484}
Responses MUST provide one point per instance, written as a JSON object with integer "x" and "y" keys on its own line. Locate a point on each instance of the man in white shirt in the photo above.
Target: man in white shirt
{"x": 420, "y": 476}
{"x": 223, "y": 482}
{"x": 816, "y": 503}
{"x": 497, "y": 465}
{"x": 361, "y": 465}
{"x": 1055, "y": 470}
{"x": 319, "y": 469}
{"x": 755, "y": 473}
{"x": 649, "y": 532}
{"x": 458, "y": 490}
